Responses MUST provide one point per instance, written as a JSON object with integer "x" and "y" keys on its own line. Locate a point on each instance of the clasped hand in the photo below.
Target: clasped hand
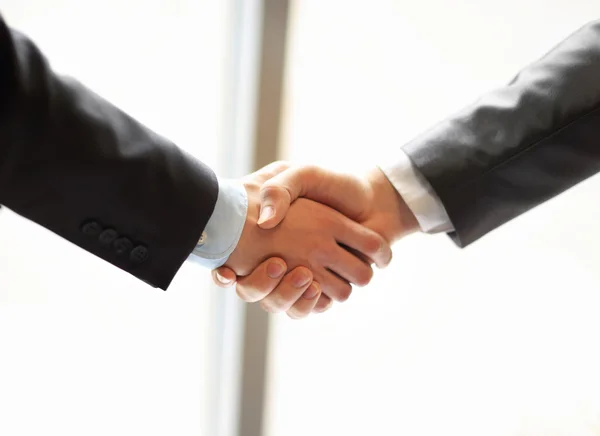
{"x": 327, "y": 228}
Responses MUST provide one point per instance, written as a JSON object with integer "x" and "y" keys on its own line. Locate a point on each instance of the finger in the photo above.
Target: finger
{"x": 290, "y": 290}
{"x": 305, "y": 305}
{"x": 261, "y": 282}
{"x": 333, "y": 286}
{"x": 274, "y": 204}
{"x": 357, "y": 253}
{"x": 350, "y": 267}
{"x": 324, "y": 304}
{"x": 363, "y": 240}
{"x": 223, "y": 277}
{"x": 339, "y": 191}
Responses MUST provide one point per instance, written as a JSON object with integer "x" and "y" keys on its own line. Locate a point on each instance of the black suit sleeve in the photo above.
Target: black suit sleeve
{"x": 520, "y": 145}
{"x": 77, "y": 165}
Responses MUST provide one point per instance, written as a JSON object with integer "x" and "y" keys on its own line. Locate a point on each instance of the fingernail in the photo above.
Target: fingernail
{"x": 266, "y": 213}
{"x": 275, "y": 270}
{"x": 311, "y": 292}
{"x": 223, "y": 279}
{"x": 301, "y": 279}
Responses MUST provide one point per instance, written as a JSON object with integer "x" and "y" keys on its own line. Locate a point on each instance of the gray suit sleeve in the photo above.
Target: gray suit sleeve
{"x": 520, "y": 145}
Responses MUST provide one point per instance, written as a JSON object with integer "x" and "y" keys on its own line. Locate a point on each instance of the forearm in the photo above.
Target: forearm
{"x": 79, "y": 166}
{"x": 520, "y": 145}
{"x": 417, "y": 195}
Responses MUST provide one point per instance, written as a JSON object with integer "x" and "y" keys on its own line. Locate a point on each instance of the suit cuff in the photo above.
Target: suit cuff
{"x": 418, "y": 195}
{"x": 224, "y": 228}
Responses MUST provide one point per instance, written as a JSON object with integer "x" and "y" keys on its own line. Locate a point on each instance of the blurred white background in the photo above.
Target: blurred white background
{"x": 498, "y": 339}
{"x": 85, "y": 348}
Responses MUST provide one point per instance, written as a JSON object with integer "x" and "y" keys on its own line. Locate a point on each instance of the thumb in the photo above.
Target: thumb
{"x": 223, "y": 277}
{"x": 343, "y": 192}
{"x": 275, "y": 201}
{"x": 279, "y": 192}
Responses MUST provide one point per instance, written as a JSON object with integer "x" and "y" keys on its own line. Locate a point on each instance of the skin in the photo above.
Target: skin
{"x": 315, "y": 240}
{"x": 371, "y": 201}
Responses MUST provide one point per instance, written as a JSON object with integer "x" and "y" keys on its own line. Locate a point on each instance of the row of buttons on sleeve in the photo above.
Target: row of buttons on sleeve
{"x": 121, "y": 245}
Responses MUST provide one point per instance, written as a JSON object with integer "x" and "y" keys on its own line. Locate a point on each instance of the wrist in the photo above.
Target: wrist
{"x": 243, "y": 259}
{"x": 396, "y": 220}
{"x": 222, "y": 232}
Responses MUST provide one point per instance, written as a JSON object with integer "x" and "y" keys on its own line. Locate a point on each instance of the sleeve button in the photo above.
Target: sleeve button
{"x": 202, "y": 240}
{"x": 91, "y": 228}
{"x": 122, "y": 245}
{"x": 107, "y": 236}
{"x": 139, "y": 254}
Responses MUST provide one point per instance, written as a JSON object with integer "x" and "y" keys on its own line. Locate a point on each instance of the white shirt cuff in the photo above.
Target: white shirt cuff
{"x": 224, "y": 228}
{"x": 418, "y": 195}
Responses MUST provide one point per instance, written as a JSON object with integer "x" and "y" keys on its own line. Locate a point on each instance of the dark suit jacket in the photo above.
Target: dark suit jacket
{"x": 77, "y": 165}
{"x": 520, "y": 145}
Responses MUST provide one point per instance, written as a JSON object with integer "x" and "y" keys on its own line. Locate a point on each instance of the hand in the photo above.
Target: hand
{"x": 310, "y": 236}
{"x": 372, "y": 201}
{"x": 275, "y": 291}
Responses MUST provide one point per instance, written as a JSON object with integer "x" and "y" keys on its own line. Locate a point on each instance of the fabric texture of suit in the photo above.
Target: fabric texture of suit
{"x": 519, "y": 145}
{"x": 77, "y": 165}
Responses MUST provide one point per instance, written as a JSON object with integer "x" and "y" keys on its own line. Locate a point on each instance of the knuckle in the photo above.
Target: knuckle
{"x": 300, "y": 275}
{"x": 296, "y": 314}
{"x": 322, "y": 253}
{"x": 308, "y": 172}
{"x": 303, "y": 271}
{"x": 329, "y": 219}
{"x": 281, "y": 165}
{"x": 241, "y": 292}
{"x": 308, "y": 169}
{"x": 291, "y": 315}
{"x": 266, "y": 306}
{"x": 279, "y": 302}
{"x": 269, "y": 305}
{"x": 249, "y": 294}
{"x": 287, "y": 306}
{"x": 270, "y": 189}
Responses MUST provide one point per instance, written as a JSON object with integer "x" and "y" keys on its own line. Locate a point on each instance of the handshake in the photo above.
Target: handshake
{"x": 325, "y": 228}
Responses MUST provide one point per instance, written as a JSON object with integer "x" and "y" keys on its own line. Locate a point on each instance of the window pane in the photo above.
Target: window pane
{"x": 496, "y": 339}
{"x": 86, "y": 348}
